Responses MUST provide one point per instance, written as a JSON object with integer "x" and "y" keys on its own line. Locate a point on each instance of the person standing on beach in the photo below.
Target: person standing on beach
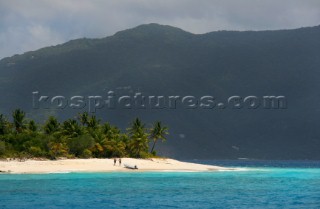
{"x": 119, "y": 161}
{"x": 114, "y": 161}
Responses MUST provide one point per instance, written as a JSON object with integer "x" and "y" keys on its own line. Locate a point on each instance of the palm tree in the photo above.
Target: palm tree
{"x": 115, "y": 148}
{"x": 136, "y": 125}
{"x": 57, "y": 149}
{"x": 32, "y": 126}
{"x": 106, "y": 128}
{"x": 52, "y": 125}
{"x": 158, "y": 132}
{"x": 18, "y": 119}
{"x": 71, "y": 128}
{"x": 139, "y": 143}
{"x": 3, "y": 124}
{"x": 93, "y": 122}
{"x": 138, "y": 138}
{"x": 114, "y": 142}
{"x": 111, "y": 132}
{"x": 84, "y": 118}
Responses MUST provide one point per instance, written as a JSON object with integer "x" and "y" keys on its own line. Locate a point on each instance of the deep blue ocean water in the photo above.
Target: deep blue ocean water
{"x": 262, "y": 184}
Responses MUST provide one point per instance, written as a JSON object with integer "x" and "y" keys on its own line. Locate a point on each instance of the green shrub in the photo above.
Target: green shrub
{"x": 154, "y": 153}
{"x": 35, "y": 151}
{"x": 77, "y": 145}
{"x": 2, "y": 148}
{"x": 86, "y": 154}
{"x": 145, "y": 155}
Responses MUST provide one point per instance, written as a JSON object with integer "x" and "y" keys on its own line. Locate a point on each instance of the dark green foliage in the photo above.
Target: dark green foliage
{"x": 18, "y": 119}
{"x": 84, "y": 118}
{"x": 136, "y": 126}
{"x": 77, "y": 145}
{"x": 158, "y": 132}
{"x": 51, "y": 126}
{"x": 3, "y": 124}
{"x": 138, "y": 143}
{"x": 2, "y": 148}
{"x": 86, "y": 154}
{"x": 71, "y": 139}
{"x": 71, "y": 128}
{"x": 93, "y": 122}
{"x": 32, "y": 126}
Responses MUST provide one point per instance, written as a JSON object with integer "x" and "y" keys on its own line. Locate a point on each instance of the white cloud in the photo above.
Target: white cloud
{"x": 20, "y": 39}
{"x": 31, "y": 24}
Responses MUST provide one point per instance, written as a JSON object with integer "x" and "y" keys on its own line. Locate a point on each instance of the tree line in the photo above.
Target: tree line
{"x": 83, "y": 137}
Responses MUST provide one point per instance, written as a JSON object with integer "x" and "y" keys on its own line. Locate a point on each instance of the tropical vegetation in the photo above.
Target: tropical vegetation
{"x": 84, "y": 136}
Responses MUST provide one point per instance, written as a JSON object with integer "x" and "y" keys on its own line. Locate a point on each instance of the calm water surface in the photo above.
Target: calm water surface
{"x": 260, "y": 184}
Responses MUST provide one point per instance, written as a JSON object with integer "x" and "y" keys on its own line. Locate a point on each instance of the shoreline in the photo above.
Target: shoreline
{"x": 95, "y": 165}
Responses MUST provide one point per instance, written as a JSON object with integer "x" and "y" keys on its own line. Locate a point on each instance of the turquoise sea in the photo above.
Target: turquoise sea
{"x": 260, "y": 184}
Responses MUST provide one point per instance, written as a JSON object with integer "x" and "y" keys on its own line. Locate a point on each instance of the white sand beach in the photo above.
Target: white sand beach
{"x": 102, "y": 165}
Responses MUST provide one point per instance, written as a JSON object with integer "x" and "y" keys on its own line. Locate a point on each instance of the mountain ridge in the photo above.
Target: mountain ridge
{"x": 221, "y": 64}
{"x": 92, "y": 41}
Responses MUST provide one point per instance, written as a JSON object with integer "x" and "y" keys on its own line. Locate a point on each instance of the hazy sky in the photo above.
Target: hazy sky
{"x": 31, "y": 24}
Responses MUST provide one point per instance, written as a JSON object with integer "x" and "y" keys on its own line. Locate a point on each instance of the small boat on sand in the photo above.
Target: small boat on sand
{"x": 130, "y": 166}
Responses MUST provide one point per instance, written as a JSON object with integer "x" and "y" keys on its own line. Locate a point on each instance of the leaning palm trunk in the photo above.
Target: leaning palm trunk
{"x": 154, "y": 144}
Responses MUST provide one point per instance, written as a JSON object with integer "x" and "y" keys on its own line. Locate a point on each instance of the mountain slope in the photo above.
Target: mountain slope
{"x": 163, "y": 60}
